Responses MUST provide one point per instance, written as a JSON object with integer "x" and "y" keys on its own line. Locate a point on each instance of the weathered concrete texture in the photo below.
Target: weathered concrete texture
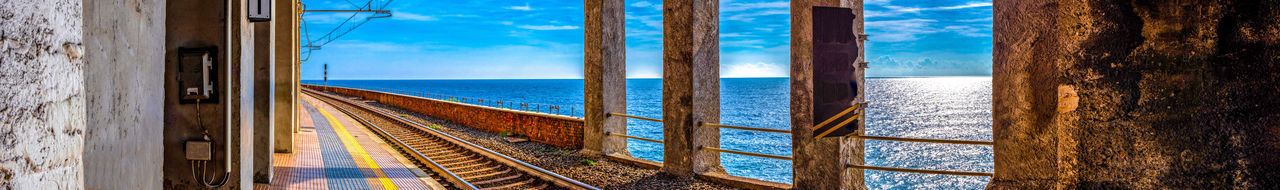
{"x": 555, "y": 130}
{"x": 124, "y": 87}
{"x": 264, "y": 119}
{"x": 605, "y": 77}
{"x": 690, "y": 86}
{"x": 227, "y": 117}
{"x": 815, "y": 165}
{"x": 42, "y": 106}
{"x": 1143, "y": 94}
{"x": 286, "y": 81}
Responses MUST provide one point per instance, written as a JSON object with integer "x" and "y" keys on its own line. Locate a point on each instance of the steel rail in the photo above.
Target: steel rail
{"x": 746, "y": 153}
{"x": 451, "y": 177}
{"x": 520, "y": 165}
{"x": 746, "y": 128}
{"x": 635, "y": 137}
{"x": 634, "y": 117}
{"x": 944, "y": 141}
{"x": 982, "y": 174}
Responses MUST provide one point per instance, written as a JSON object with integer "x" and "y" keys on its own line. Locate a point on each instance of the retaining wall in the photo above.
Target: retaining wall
{"x": 556, "y": 130}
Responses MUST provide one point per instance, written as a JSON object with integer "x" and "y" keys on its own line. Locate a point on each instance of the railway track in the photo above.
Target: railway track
{"x": 454, "y": 162}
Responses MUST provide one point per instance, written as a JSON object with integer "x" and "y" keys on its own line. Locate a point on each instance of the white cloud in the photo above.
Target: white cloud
{"x": 743, "y": 43}
{"x": 918, "y": 9}
{"x": 967, "y": 31}
{"x": 763, "y": 5}
{"x": 900, "y": 30}
{"x": 976, "y": 20}
{"x": 548, "y": 27}
{"x": 756, "y": 69}
{"x": 507, "y": 23}
{"x": 526, "y": 7}
{"x": 642, "y": 4}
{"x": 748, "y": 17}
{"x": 401, "y": 15}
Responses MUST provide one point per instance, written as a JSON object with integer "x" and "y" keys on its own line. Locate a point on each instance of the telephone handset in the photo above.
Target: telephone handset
{"x": 195, "y": 83}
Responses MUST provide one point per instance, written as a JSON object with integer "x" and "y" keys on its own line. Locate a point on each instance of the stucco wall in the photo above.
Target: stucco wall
{"x": 124, "y": 47}
{"x": 550, "y": 129}
{"x": 1136, "y": 94}
{"x": 42, "y": 98}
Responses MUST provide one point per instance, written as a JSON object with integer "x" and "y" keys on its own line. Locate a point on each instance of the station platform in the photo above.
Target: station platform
{"x": 333, "y": 151}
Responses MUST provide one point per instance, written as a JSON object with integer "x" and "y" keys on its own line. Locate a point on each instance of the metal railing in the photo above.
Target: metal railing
{"x": 634, "y": 137}
{"x": 860, "y": 110}
{"x": 570, "y": 111}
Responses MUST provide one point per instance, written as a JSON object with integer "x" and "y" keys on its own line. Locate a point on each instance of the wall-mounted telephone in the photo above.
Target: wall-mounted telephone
{"x": 195, "y": 84}
{"x": 196, "y": 74}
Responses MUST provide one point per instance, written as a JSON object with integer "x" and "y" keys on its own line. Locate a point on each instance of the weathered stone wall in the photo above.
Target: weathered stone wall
{"x": 555, "y": 130}
{"x": 124, "y": 79}
{"x": 42, "y": 102}
{"x": 1137, "y": 94}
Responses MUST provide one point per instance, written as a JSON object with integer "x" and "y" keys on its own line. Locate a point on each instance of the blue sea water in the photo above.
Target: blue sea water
{"x": 932, "y": 107}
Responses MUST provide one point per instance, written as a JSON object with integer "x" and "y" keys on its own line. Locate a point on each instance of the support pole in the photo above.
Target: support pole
{"x": 286, "y": 63}
{"x": 605, "y": 77}
{"x": 690, "y": 86}
{"x": 820, "y": 162}
{"x": 264, "y": 78}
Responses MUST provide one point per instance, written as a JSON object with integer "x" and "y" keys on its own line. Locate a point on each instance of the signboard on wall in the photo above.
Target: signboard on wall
{"x": 835, "y": 48}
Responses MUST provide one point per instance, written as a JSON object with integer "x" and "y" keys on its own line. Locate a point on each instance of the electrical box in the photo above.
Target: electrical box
{"x": 835, "y": 48}
{"x": 199, "y": 150}
{"x": 195, "y": 74}
{"x": 259, "y": 10}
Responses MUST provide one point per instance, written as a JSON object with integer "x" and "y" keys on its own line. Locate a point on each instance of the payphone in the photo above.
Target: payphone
{"x": 195, "y": 79}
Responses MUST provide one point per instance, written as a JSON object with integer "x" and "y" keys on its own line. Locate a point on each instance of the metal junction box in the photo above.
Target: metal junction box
{"x": 835, "y": 48}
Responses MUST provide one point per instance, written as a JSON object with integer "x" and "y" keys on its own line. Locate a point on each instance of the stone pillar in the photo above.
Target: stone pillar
{"x": 286, "y": 67}
{"x": 42, "y": 99}
{"x": 820, "y": 162}
{"x": 124, "y": 88}
{"x": 605, "y": 77}
{"x": 1095, "y": 94}
{"x": 690, "y": 86}
{"x": 264, "y": 120}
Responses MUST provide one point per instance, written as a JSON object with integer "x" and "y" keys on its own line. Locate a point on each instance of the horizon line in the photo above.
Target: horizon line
{"x": 930, "y": 76}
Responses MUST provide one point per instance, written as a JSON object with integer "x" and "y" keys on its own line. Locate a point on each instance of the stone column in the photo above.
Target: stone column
{"x": 1096, "y": 94}
{"x": 123, "y": 86}
{"x": 605, "y": 77}
{"x": 690, "y": 86}
{"x": 820, "y": 163}
{"x": 42, "y": 94}
{"x": 286, "y": 65}
{"x": 264, "y": 98}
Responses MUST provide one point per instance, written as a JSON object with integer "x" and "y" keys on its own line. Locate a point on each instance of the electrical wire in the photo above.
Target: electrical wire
{"x": 313, "y": 45}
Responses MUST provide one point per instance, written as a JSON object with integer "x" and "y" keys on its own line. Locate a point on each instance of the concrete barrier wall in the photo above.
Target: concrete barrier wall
{"x": 556, "y": 130}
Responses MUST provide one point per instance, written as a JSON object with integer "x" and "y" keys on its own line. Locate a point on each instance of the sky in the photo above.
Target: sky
{"x": 528, "y": 39}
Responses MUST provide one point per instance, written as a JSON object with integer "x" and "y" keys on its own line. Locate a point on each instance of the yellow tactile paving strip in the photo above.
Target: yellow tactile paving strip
{"x": 305, "y": 168}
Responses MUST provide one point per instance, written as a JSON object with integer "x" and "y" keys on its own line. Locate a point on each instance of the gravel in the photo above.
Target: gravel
{"x": 605, "y": 174}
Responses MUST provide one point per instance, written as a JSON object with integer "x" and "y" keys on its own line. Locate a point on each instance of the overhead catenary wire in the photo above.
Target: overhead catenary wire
{"x": 315, "y": 44}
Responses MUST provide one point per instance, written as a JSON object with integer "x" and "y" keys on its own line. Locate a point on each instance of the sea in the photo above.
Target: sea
{"x": 916, "y": 107}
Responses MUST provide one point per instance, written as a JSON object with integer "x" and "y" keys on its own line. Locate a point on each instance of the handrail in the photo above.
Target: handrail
{"x": 983, "y": 174}
{"x": 635, "y": 137}
{"x": 746, "y": 128}
{"x": 634, "y": 117}
{"x": 746, "y": 153}
{"x": 508, "y": 105}
{"x": 969, "y": 142}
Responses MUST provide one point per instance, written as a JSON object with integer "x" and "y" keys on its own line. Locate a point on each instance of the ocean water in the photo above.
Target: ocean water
{"x": 933, "y": 107}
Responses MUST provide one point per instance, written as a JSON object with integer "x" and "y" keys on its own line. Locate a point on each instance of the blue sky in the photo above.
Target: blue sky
{"x": 468, "y": 39}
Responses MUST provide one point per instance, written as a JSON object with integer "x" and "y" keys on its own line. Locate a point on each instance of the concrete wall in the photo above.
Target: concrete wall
{"x": 1144, "y": 94}
{"x": 42, "y": 104}
{"x": 555, "y": 130}
{"x": 123, "y": 86}
{"x": 227, "y": 117}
